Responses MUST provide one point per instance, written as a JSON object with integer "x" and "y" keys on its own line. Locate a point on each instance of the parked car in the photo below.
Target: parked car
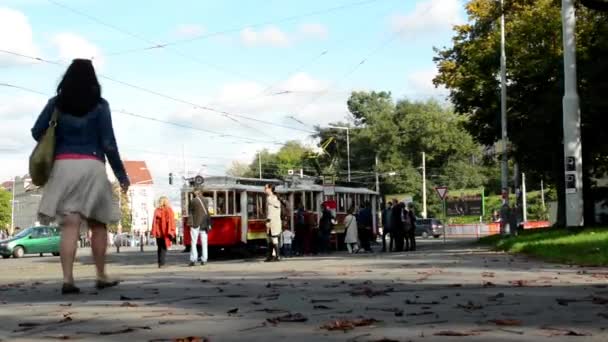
{"x": 33, "y": 240}
{"x": 429, "y": 227}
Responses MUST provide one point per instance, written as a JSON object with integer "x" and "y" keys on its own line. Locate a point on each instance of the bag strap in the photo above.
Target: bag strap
{"x": 54, "y": 118}
{"x": 204, "y": 209}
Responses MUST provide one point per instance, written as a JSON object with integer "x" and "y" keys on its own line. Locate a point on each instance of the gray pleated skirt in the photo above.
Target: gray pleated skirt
{"x": 78, "y": 186}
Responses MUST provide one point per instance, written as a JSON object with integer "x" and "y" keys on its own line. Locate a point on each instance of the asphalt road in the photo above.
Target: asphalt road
{"x": 456, "y": 288}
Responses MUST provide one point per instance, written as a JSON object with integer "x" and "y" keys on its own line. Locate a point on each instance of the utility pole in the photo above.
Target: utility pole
{"x": 503, "y": 103}
{"x": 524, "y": 205}
{"x": 377, "y": 176}
{"x": 348, "y": 151}
{"x": 424, "y": 185}
{"x": 260, "y": 163}
{"x": 571, "y": 121}
{"x": 13, "y": 208}
{"x": 542, "y": 194}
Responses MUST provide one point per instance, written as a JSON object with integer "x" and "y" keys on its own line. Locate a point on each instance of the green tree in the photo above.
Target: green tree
{"x": 125, "y": 210}
{"x": 470, "y": 70}
{"x": 238, "y": 169}
{"x": 292, "y": 156}
{"x": 5, "y": 208}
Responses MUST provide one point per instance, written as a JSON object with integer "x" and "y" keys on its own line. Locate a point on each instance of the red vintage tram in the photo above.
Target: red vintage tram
{"x": 238, "y": 207}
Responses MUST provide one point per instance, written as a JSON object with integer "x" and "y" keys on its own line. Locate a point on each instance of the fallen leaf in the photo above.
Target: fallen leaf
{"x": 266, "y": 310}
{"x": 455, "y": 285}
{"x": 413, "y": 302}
{"x": 456, "y": 333}
{"x": 321, "y": 307}
{"x": 314, "y": 301}
{"x": 233, "y": 311}
{"x": 518, "y": 283}
{"x": 564, "y": 332}
{"x": 123, "y": 331}
{"x": 366, "y": 291}
{"x": 129, "y": 305}
{"x": 488, "y": 274}
{"x": 506, "y": 322}
{"x": 423, "y": 313}
{"x": 346, "y": 325}
{"x": 470, "y": 306}
{"x": 289, "y": 318}
{"x": 66, "y": 304}
{"x": 129, "y": 298}
{"x": 488, "y": 284}
{"x": 496, "y": 297}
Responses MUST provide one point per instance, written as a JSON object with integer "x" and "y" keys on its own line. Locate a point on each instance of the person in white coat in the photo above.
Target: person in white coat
{"x": 352, "y": 235}
{"x": 273, "y": 222}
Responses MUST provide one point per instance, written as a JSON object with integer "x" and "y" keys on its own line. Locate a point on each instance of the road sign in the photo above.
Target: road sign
{"x": 442, "y": 191}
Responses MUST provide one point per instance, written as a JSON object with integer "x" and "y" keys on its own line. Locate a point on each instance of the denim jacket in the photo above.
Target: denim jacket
{"x": 91, "y": 135}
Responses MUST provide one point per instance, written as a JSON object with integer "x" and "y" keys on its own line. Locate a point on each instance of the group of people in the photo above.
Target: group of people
{"x": 399, "y": 222}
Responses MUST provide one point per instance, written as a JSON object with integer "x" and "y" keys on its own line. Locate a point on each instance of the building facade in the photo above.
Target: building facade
{"x": 26, "y": 202}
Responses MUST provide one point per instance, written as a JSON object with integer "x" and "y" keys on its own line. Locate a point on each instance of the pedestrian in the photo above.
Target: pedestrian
{"x": 300, "y": 234}
{"x": 163, "y": 229}
{"x": 326, "y": 226}
{"x": 78, "y": 189}
{"x": 386, "y": 227}
{"x": 352, "y": 232}
{"x": 397, "y": 225}
{"x": 287, "y": 237}
{"x": 410, "y": 228}
{"x": 365, "y": 223}
{"x": 201, "y": 225}
{"x": 273, "y": 222}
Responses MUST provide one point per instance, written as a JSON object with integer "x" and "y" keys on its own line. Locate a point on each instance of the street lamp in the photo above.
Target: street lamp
{"x": 347, "y": 129}
{"x": 504, "y": 174}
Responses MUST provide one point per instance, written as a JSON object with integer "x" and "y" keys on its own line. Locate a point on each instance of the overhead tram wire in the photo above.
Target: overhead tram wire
{"x": 179, "y": 53}
{"x": 217, "y": 134}
{"x": 238, "y": 29}
{"x": 165, "y": 96}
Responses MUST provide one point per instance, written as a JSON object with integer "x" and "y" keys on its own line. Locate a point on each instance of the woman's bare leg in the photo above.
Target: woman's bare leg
{"x": 99, "y": 245}
{"x": 70, "y": 228}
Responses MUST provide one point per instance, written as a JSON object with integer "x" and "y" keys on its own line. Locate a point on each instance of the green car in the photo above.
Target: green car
{"x": 33, "y": 240}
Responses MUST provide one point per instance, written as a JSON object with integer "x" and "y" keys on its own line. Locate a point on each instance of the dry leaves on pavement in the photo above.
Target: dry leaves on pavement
{"x": 506, "y": 322}
{"x": 289, "y": 318}
{"x": 348, "y": 324}
{"x": 370, "y": 293}
{"x": 456, "y": 333}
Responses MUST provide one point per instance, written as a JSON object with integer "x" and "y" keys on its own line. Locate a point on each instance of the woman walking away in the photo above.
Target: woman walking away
{"x": 163, "y": 229}
{"x": 78, "y": 190}
{"x": 352, "y": 235}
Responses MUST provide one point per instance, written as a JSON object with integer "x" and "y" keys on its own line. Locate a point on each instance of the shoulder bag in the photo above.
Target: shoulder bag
{"x": 43, "y": 156}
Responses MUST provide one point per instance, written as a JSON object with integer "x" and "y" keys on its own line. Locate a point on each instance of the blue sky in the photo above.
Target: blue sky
{"x": 258, "y": 54}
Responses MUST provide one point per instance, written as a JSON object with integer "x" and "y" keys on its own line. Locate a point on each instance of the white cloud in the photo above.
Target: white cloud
{"x": 269, "y": 35}
{"x": 428, "y": 17}
{"x": 189, "y": 30}
{"x": 420, "y": 84}
{"x": 16, "y": 36}
{"x": 313, "y": 30}
{"x": 71, "y": 45}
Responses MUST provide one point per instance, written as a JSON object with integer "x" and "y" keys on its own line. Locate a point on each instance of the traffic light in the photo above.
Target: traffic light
{"x": 170, "y": 178}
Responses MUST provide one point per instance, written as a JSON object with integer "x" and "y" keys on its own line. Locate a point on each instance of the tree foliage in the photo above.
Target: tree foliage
{"x": 5, "y": 208}
{"x": 470, "y": 70}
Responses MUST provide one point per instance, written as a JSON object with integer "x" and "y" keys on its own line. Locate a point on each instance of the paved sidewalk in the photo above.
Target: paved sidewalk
{"x": 453, "y": 289}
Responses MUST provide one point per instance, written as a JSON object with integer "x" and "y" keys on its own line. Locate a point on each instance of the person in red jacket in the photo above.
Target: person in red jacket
{"x": 163, "y": 228}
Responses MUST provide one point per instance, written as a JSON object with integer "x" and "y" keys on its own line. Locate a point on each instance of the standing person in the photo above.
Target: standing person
{"x": 352, "y": 232}
{"x": 387, "y": 216}
{"x": 300, "y": 236}
{"x": 410, "y": 231}
{"x": 78, "y": 189}
{"x": 365, "y": 224}
{"x": 201, "y": 224}
{"x": 397, "y": 227}
{"x": 163, "y": 229}
{"x": 273, "y": 222}
{"x": 325, "y": 227}
{"x": 287, "y": 238}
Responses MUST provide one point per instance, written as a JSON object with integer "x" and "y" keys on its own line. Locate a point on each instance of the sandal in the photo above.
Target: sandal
{"x": 67, "y": 289}
{"x": 104, "y": 284}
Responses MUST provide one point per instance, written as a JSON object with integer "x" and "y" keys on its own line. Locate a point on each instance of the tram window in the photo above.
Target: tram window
{"x": 298, "y": 199}
{"x": 310, "y": 201}
{"x": 231, "y": 203}
{"x": 237, "y": 197}
{"x": 221, "y": 203}
{"x": 256, "y": 205}
{"x": 341, "y": 203}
